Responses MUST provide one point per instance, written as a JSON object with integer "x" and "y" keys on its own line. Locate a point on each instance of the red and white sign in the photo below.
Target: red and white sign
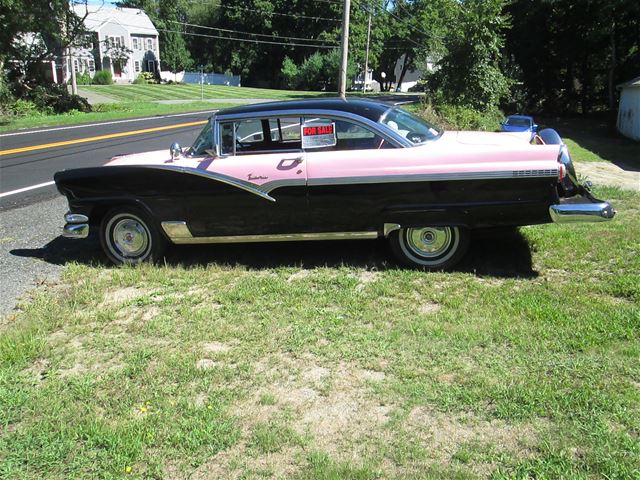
{"x": 318, "y": 134}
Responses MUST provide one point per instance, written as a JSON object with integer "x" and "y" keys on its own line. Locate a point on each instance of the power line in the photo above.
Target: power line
{"x": 280, "y": 14}
{"x": 250, "y": 33}
{"x": 366, "y": 8}
{"x": 250, "y": 40}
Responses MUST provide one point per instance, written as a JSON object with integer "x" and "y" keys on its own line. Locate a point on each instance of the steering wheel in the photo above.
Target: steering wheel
{"x": 416, "y": 137}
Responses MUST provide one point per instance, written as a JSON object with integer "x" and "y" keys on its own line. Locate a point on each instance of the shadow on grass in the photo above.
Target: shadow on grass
{"x": 598, "y": 135}
{"x": 504, "y": 253}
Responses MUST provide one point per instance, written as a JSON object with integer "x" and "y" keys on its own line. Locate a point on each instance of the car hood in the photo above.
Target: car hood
{"x": 491, "y": 138}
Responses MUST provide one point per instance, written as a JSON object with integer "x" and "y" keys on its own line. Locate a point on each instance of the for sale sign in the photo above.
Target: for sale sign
{"x": 318, "y": 134}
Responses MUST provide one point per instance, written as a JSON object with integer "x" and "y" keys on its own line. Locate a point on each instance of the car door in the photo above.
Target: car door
{"x": 259, "y": 181}
{"x": 345, "y": 190}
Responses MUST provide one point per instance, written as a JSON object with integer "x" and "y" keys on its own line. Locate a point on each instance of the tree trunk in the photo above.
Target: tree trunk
{"x": 405, "y": 67}
{"x": 612, "y": 69}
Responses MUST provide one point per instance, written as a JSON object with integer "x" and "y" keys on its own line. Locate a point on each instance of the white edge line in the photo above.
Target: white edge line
{"x": 26, "y": 189}
{"x": 85, "y": 125}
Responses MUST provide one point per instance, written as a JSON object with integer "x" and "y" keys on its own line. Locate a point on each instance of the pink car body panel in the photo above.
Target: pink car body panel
{"x": 453, "y": 152}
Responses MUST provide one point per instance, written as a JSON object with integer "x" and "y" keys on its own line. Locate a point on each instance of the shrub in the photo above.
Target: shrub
{"x": 103, "y": 77}
{"x": 83, "y": 79}
{"x": 455, "y": 117}
{"x": 144, "y": 78}
{"x": 24, "y": 108}
{"x": 57, "y": 99}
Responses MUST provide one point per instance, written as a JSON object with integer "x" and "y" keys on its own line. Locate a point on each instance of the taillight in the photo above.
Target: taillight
{"x": 562, "y": 172}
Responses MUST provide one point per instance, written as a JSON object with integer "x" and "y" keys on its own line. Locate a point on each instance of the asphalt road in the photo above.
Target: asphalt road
{"x": 25, "y": 169}
{"x": 32, "y": 252}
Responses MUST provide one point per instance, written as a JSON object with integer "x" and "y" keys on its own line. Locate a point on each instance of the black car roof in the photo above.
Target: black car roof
{"x": 365, "y": 108}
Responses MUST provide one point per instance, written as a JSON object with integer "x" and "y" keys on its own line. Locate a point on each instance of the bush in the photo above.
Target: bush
{"x": 83, "y": 79}
{"x": 53, "y": 98}
{"x": 25, "y": 108}
{"x": 144, "y": 78}
{"x": 455, "y": 117}
{"x": 103, "y": 77}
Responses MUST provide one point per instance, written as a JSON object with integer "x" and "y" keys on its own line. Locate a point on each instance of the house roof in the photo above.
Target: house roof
{"x": 635, "y": 83}
{"x": 132, "y": 19}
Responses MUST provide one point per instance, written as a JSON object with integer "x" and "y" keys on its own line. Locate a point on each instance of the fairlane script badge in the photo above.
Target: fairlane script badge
{"x": 318, "y": 134}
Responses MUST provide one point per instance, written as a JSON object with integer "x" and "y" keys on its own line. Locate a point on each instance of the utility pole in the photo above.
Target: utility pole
{"x": 366, "y": 57}
{"x": 344, "y": 43}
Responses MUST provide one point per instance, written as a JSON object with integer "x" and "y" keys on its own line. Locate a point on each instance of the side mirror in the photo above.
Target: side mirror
{"x": 535, "y": 127}
{"x": 175, "y": 151}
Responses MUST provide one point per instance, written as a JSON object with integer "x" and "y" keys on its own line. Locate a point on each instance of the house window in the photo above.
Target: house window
{"x": 150, "y": 44}
{"x": 76, "y": 66}
{"x": 92, "y": 66}
{"x": 134, "y": 41}
{"x": 136, "y": 66}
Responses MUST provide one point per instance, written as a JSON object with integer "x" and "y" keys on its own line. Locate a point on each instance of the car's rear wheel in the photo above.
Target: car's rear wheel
{"x": 430, "y": 248}
{"x": 129, "y": 236}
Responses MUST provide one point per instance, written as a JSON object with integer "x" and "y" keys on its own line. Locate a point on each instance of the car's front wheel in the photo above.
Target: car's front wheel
{"x": 430, "y": 248}
{"x": 129, "y": 236}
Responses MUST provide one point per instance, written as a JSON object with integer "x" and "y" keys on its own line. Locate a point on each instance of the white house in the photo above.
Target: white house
{"x": 629, "y": 109}
{"x": 113, "y": 28}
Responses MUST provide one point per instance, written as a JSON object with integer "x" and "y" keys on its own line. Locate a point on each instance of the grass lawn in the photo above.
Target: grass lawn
{"x": 324, "y": 361}
{"x": 125, "y": 93}
{"x": 106, "y": 112}
{"x": 595, "y": 140}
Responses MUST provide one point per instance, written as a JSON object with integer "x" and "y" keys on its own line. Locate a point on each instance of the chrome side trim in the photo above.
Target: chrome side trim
{"x": 176, "y": 229}
{"x": 389, "y": 134}
{"x": 75, "y": 218}
{"x": 219, "y": 177}
{"x": 434, "y": 177}
{"x": 182, "y": 238}
{"x": 76, "y": 230}
{"x": 581, "y": 212}
{"x": 390, "y": 227}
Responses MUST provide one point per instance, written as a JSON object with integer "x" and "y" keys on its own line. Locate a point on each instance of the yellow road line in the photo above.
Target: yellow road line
{"x": 99, "y": 137}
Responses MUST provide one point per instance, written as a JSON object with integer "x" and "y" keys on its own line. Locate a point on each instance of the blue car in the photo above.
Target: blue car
{"x": 519, "y": 123}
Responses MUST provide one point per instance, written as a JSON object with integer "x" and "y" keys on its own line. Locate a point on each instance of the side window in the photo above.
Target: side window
{"x": 226, "y": 138}
{"x": 351, "y": 136}
{"x": 245, "y": 137}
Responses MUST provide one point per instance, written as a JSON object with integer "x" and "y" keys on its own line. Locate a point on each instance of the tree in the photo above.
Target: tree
{"x": 34, "y": 32}
{"x": 470, "y": 72}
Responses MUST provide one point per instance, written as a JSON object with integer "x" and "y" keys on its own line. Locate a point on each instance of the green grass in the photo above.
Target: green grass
{"x": 106, "y": 112}
{"x": 595, "y": 140}
{"x": 345, "y": 370}
{"x": 125, "y": 93}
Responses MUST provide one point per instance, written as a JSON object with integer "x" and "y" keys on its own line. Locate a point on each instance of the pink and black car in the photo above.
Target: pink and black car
{"x": 327, "y": 169}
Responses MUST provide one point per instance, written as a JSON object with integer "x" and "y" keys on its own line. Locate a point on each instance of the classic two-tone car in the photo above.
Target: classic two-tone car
{"x": 326, "y": 169}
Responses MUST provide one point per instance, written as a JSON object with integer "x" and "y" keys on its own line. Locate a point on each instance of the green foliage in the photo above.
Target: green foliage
{"x": 103, "y": 77}
{"x": 23, "y": 108}
{"x": 83, "y": 79}
{"x": 289, "y": 72}
{"x": 53, "y": 98}
{"x": 470, "y": 72}
{"x": 457, "y": 117}
{"x": 320, "y": 71}
{"x": 144, "y": 78}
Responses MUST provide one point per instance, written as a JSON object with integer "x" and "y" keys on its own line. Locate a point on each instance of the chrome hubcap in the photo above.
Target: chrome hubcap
{"x": 429, "y": 241}
{"x": 130, "y": 237}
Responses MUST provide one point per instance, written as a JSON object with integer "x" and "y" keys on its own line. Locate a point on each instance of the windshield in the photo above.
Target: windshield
{"x": 204, "y": 141}
{"x": 518, "y": 122}
{"x": 410, "y": 126}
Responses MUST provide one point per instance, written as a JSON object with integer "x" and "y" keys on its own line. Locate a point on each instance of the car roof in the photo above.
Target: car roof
{"x": 521, "y": 116}
{"x": 366, "y": 108}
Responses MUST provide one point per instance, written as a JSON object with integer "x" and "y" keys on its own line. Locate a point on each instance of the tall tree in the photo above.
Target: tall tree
{"x": 33, "y": 32}
{"x": 470, "y": 73}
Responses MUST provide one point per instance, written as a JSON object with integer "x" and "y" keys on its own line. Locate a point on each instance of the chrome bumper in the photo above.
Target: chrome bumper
{"x": 581, "y": 212}
{"x": 77, "y": 226}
